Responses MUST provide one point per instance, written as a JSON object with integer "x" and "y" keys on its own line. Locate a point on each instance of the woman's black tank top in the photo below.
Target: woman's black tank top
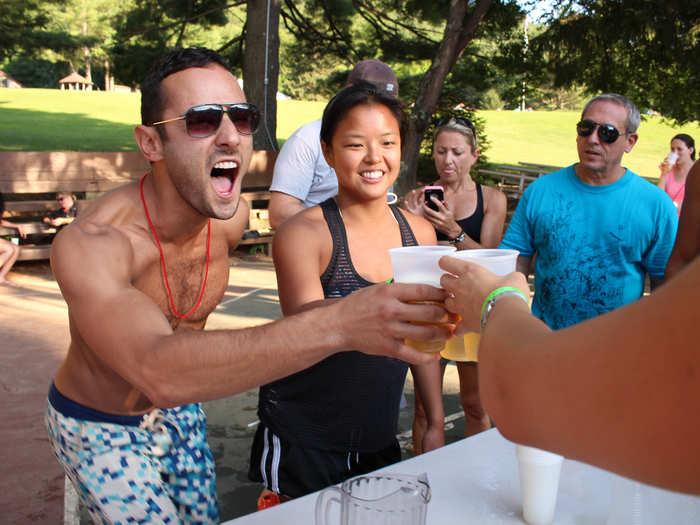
{"x": 340, "y": 277}
{"x": 350, "y": 400}
{"x": 470, "y": 225}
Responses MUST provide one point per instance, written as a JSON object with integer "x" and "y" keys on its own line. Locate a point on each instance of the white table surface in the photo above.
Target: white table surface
{"x": 475, "y": 480}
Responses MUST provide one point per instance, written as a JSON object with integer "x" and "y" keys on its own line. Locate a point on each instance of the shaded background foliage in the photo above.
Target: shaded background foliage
{"x": 645, "y": 49}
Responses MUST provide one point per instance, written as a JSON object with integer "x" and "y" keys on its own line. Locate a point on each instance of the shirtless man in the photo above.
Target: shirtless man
{"x": 142, "y": 268}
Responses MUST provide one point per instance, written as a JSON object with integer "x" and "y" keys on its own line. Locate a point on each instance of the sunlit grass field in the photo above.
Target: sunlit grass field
{"x": 54, "y": 120}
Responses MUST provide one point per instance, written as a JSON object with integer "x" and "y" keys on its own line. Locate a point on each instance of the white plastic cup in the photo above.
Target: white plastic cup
{"x": 671, "y": 158}
{"x": 539, "y": 483}
{"x": 496, "y": 260}
{"x": 418, "y": 264}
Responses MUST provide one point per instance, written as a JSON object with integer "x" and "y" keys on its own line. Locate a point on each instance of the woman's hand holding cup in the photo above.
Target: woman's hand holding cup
{"x": 468, "y": 284}
{"x": 669, "y": 161}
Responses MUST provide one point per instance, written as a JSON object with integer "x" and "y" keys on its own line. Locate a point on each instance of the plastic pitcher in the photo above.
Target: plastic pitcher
{"x": 381, "y": 499}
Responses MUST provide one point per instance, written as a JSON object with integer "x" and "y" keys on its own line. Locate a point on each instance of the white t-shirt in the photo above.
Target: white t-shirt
{"x": 300, "y": 169}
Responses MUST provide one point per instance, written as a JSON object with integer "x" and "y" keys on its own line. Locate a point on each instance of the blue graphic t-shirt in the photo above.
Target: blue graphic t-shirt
{"x": 594, "y": 244}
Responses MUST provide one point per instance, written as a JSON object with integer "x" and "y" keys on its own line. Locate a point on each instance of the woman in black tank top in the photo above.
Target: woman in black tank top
{"x": 471, "y": 216}
{"x": 341, "y": 414}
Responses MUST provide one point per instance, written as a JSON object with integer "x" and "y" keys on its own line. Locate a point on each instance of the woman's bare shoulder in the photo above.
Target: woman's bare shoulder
{"x": 421, "y": 227}
{"x": 493, "y": 197}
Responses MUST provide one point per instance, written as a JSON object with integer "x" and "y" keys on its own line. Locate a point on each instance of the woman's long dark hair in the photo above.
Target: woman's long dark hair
{"x": 689, "y": 142}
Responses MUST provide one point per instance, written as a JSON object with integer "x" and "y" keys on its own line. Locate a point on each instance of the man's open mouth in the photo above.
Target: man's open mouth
{"x": 223, "y": 177}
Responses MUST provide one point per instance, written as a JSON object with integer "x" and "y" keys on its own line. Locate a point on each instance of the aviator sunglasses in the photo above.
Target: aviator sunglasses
{"x": 606, "y": 132}
{"x": 204, "y": 120}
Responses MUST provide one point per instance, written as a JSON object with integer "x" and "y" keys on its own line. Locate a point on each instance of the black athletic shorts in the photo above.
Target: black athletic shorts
{"x": 292, "y": 470}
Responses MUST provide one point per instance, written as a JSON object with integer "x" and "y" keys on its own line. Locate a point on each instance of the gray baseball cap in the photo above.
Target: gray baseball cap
{"x": 376, "y": 72}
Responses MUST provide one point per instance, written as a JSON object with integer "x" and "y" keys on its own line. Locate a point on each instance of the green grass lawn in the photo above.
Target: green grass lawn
{"x": 54, "y": 120}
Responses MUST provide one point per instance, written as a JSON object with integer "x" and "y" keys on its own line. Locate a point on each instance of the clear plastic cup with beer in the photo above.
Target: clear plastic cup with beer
{"x": 419, "y": 265}
{"x": 498, "y": 261}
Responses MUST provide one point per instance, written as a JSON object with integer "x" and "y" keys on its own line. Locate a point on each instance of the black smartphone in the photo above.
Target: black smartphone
{"x": 438, "y": 191}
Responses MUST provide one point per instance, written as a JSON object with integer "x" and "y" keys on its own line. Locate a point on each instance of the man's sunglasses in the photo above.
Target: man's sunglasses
{"x": 466, "y": 123}
{"x": 204, "y": 120}
{"x": 606, "y": 132}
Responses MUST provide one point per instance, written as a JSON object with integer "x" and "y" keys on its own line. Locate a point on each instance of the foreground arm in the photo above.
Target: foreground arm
{"x": 687, "y": 245}
{"x": 587, "y": 391}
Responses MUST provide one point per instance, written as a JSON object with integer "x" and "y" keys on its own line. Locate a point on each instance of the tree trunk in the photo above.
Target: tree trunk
{"x": 261, "y": 66}
{"x": 459, "y": 31}
{"x": 86, "y": 54}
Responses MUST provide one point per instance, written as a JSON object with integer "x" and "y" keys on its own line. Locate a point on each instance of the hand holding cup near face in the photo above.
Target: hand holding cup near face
{"x": 669, "y": 161}
{"x": 419, "y": 265}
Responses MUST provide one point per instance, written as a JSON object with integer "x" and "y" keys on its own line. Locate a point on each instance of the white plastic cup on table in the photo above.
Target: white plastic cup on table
{"x": 539, "y": 483}
{"x": 419, "y": 265}
{"x": 498, "y": 261}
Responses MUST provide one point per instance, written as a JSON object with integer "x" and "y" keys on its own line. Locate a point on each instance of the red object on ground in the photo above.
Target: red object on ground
{"x": 268, "y": 500}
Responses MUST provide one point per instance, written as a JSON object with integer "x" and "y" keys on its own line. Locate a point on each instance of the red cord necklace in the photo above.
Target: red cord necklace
{"x": 162, "y": 259}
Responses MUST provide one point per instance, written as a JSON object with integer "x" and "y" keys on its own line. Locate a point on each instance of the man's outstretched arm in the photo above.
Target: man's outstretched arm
{"x": 129, "y": 334}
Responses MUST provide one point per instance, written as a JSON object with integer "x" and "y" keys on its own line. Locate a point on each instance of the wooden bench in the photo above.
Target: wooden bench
{"x": 29, "y": 181}
{"x": 256, "y": 192}
{"x": 513, "y": 179}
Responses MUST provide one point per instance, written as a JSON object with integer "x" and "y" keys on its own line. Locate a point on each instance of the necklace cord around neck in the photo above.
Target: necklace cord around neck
{"x": 162, "y": 259}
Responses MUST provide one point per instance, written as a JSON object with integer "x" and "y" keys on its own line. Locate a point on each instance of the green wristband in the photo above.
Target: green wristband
{"x": 491, "y": 299}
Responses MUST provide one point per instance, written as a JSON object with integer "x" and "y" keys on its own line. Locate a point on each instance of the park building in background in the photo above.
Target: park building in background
{"x": 7, "y": 81}
{"x": 75, "y": 82}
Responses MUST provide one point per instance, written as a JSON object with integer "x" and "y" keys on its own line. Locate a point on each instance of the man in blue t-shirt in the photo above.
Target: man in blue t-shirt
{"x": 596, "y": 228}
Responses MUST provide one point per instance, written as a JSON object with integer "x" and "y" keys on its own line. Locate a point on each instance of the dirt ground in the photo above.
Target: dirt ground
{"x": 33, "y": 342}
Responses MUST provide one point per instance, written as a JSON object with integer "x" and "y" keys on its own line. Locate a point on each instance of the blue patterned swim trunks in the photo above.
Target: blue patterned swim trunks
{"x": 155, "y": 468}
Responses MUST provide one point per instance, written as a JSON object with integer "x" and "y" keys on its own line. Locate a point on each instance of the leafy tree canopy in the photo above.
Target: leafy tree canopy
{"x": 644, "y": 49}
{"x": 152, "y": 26}
{"x": 23, "y": 29}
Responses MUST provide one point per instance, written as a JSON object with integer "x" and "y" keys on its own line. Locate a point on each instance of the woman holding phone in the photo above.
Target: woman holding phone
{"x": 469, "y": 215}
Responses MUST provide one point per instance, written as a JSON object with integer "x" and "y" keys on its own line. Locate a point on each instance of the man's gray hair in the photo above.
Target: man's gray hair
{"x": 633, "y": 117}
